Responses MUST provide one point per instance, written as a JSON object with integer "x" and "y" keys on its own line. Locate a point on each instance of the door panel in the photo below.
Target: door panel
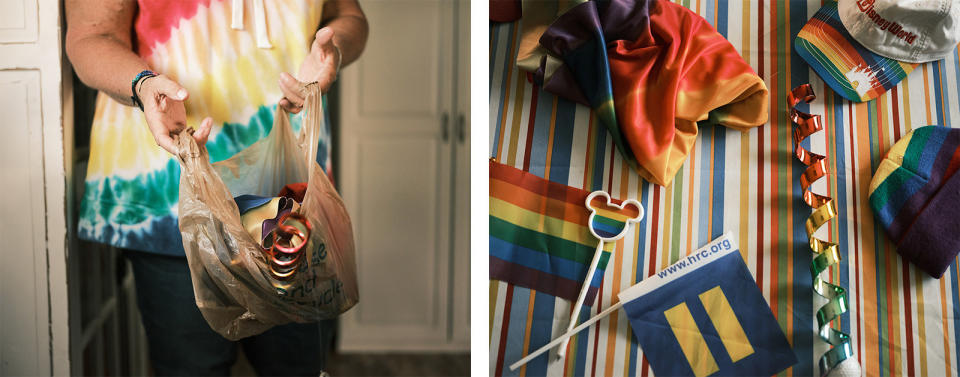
{"x": 395, "y": 177}
{"x": 397, "y": 233}
{"x": 18, "y": 21}
{"x": 34, "y": 335}
{"x": 21, "y": 226}
{"x": 398, "y": 73}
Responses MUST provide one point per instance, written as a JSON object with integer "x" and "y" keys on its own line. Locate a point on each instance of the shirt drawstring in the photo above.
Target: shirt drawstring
{"x": 259, "y": 19}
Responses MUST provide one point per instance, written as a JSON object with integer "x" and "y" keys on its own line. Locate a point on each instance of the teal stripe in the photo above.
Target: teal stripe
{"x": 608, "y": 221}
{"x": 911, "y": 157}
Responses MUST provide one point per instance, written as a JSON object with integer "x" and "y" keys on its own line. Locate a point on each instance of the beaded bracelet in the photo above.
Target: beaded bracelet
{"x": 145, "y": 74}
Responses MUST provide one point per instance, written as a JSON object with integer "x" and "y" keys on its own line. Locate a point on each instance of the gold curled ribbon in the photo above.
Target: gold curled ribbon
{"x": 826, "y": 252}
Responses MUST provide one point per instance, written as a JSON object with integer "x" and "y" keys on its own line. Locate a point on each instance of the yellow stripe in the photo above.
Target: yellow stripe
{"x": 544, "y": 224}
{"x": 895, "y": 159}
{"x": 726, "y": 323}
{"x": 613, "y": 215}
{"x": 691, "y": 340}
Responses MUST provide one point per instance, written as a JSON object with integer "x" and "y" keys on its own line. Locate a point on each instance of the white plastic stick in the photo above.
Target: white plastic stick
{"x": 583, "y": 295}
{"x": 565, "y": 337}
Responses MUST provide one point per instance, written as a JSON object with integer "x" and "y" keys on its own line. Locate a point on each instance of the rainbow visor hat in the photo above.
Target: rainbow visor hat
{"x": 850, "y": 69}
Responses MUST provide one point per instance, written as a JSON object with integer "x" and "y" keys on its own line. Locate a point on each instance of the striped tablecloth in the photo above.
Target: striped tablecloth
{"x": 902, "y": 321}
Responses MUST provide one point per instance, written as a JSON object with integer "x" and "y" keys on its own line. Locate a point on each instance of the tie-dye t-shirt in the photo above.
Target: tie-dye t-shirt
{"x": 229, "y": 59}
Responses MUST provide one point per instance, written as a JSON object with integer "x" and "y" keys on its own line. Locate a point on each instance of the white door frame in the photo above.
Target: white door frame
{"x": 31, "y": 72}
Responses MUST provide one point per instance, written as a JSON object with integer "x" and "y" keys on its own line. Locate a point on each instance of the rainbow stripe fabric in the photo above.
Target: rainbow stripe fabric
{"x": 902, "y": 322}
{"x": 840, "y": 60}
{"x": 609, "y": 221}
{"x": 131, "y": 188}
{"x": 538, "y": 234}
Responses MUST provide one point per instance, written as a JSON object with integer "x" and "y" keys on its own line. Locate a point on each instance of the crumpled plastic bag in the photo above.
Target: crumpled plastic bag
{"x": 234, "y": 288}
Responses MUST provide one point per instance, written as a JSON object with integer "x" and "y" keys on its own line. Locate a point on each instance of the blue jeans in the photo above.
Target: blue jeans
{"x": 182, "y": 343}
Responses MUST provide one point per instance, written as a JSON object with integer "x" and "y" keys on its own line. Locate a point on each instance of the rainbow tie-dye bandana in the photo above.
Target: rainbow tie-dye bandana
{"x": 652, "y": 71}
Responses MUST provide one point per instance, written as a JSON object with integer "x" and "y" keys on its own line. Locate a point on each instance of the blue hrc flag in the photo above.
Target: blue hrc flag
{"x": 705, "y": 316}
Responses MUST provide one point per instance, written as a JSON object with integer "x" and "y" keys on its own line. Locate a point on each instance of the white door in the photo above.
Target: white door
{"x": 461, "y": 186}
{"x": 34, "y": 337}
{"x": 398, "y": 129}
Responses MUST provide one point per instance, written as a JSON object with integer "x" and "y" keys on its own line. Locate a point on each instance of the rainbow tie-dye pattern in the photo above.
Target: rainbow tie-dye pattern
{"x": 131, "y": 189}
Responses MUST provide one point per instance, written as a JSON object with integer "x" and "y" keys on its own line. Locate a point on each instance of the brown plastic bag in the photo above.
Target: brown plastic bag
{"x": 232, "y": 283}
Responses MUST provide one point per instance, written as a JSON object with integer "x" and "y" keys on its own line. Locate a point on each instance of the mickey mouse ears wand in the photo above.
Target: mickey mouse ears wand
{"x": 608, "y": 223}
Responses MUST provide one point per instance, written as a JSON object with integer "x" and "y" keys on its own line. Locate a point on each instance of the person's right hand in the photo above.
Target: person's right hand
{"x": 163, "y": 108}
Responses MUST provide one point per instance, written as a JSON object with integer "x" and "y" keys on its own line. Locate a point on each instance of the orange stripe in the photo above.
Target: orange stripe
{"x": 614, "y": 290}
{"x": 665, "y": 234}
{"x": 553, "y": 122}
{"x": 893, "y": 346}
{"x": 558, "y": 209}
{"x": 526, "y": 336}
{"x": 690, "y": 201}
{"x": 588, "y": 160}
{"x": 945, "y": 324}
{"x": 616, "y": 282}
{"x": 867, "y": 230}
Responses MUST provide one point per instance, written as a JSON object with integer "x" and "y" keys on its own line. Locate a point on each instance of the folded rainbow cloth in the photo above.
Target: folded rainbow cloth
{"x": 651, "y": 70}
{"x": 915, "y": 195}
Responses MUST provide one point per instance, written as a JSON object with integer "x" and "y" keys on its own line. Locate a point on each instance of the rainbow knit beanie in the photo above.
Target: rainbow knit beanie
{"x": 915, "y": 196}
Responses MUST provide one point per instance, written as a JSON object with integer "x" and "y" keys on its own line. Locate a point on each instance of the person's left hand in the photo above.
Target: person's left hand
{"x": 320, "y": 66}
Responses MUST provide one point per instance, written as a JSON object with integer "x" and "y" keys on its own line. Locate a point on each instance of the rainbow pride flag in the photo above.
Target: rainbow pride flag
{"x": 539, "y": 235}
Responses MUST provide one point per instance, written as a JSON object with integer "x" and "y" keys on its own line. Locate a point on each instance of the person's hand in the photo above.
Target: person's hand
{"x": 320, "y": 66}
{"x": 163, "y": 108}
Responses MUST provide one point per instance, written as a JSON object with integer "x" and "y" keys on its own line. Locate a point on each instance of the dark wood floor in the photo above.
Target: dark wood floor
{"x": 399, "y": 365}
{"x": 376, "y": 364}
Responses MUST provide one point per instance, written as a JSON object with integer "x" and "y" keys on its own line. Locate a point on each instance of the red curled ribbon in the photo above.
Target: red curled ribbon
{"x": 284, "y": 257}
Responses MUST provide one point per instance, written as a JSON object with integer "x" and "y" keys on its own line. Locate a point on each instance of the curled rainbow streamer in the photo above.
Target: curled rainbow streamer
{"x": 825, "y": 209}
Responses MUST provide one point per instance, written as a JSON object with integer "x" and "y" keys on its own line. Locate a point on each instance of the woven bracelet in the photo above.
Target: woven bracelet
{"x": 145, "y": 74}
